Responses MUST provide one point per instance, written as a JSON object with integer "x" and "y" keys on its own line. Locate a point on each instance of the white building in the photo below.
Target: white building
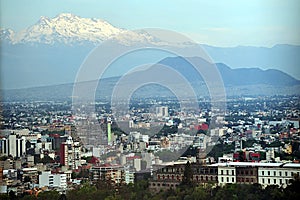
{"x": 128, "y": 175}
{"x": 278, "y": 175}
{"x": 162, "y": 111}
{"x": 13, "y": 145}
{"x": 226, "y": 174}
{"x": 263, "y": 173}
{"x": 52, "y": 180}
{"x": 137, "y": 164}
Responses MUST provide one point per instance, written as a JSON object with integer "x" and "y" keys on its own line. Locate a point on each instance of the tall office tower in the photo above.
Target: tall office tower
{"x": 109, "y": 130}
{"x": 162, "y": 111}
{"x": 13, "y": 145}
{"x": 70, "y": 154}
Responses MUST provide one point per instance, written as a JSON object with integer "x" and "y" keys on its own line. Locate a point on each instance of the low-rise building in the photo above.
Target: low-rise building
{"x": 46, "y": 179}
{"x": 170, "y": 176}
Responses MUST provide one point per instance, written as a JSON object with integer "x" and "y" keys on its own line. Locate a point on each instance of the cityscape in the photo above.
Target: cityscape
{"x": 42, "y": 146}
{"x": 100, "y": 111}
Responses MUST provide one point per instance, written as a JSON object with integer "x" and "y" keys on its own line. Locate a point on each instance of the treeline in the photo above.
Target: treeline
{"x": 140, "y": 191}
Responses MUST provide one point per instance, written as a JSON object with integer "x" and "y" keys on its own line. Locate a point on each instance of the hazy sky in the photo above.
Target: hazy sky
{"x": 214, "y": 22}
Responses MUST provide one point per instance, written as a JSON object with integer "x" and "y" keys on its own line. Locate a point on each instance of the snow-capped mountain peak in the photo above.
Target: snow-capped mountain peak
{"x": 65, "y": 28}
{"x": 70, "y": 29}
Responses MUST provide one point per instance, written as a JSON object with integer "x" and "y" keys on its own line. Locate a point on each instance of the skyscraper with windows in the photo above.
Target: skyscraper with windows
{"x": 13, "y": 145}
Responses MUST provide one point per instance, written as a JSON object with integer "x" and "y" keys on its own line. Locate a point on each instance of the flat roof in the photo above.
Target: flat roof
{"x": 292, "y": 165}
{"x": 29, "y": 169}
{"x": 251, "y": 164}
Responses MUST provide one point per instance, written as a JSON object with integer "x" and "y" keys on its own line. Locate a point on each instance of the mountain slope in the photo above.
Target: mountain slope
{"x": 282, "y": 57}
{"x": 246, "y": 81}
{"x": 233, "y": 77}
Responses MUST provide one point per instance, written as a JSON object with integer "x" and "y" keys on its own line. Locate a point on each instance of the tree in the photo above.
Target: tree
{"x": 187, "y": 179}
{"x": 12, "y": 195}
{"x": 48, "y": 195}
{"x": 292, "y": 190}
{"x": 27, "y": 179}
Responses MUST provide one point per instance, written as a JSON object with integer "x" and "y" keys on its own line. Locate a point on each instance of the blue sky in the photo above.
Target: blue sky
{"x": 219, "y": 23}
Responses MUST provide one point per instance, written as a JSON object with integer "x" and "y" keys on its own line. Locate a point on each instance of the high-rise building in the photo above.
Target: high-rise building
{"x": 162, "y": 111}
{"x": 70, "y": 153}
{"x": 109, "y": 139}
{"x": 13, "y": 145}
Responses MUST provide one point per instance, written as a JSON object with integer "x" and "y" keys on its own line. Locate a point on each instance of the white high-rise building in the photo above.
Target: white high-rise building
{"x": 162, "y": 111}
{"x": 13, "y": 145}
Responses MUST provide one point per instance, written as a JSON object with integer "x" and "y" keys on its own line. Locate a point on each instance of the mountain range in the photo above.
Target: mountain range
{"x": 51, "y": 52}
{"x": 237, "y": 82}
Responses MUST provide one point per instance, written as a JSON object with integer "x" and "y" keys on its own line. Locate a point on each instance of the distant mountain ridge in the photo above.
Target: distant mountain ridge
{"x": 237, "y": 82}
{"x": 51, "y": 52}
{"x": 234, "y": 77}
{"x": 283, "y": 57}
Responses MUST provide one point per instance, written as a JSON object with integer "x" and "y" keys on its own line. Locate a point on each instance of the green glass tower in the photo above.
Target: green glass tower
{"x": 108, "y": 130}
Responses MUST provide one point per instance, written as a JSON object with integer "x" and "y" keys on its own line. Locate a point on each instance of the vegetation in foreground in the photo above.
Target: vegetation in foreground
{"x": 186, "y": 191}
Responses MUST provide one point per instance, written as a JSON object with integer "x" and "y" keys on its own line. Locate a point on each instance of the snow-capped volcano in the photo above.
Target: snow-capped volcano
{"x": 72, "y": 30}
{"x": 64, "y": 28}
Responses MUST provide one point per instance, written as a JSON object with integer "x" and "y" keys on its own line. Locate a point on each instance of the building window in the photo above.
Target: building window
{"x": 222, "y": 179}
{"x": 221, "y": 172}
{"x": 280, "y": 174}
{"x": 232, "y": 172}
{"x": 227, "y": 179}
{"x": 232, "y": 180}
{"x": 274, "y": 181}
{"x": 227, "y": 172}
{"x": 286, "y": 173}
{"x": 274, "y": 173}
{"x": 263, "y": 173}
{"x": 269, "y": 181}
{"x": 268, "y": 173}
{"x": 280, "y": 181}
{"x": 263, "y": 180}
